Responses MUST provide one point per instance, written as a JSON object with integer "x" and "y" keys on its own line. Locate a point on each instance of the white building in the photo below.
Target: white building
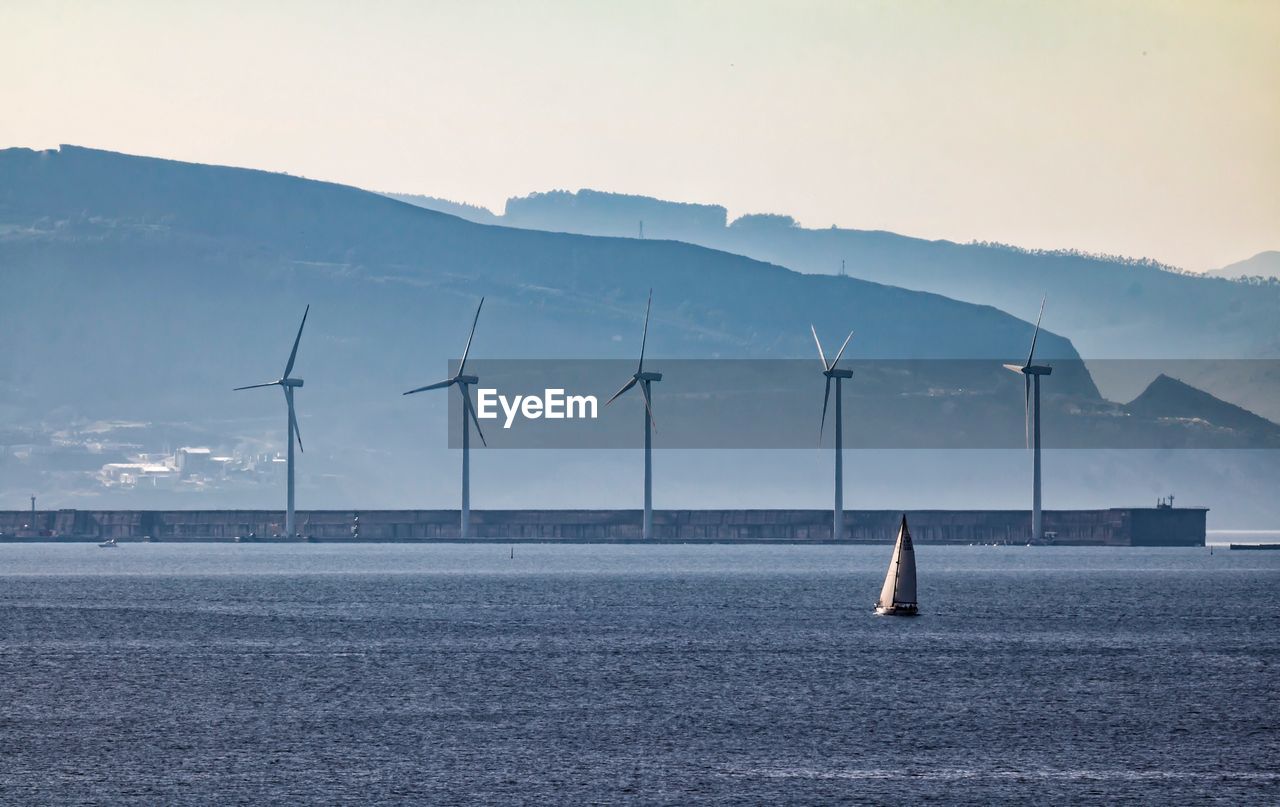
{"x": 137, "y": 474}
{"x": 194, "y": 461}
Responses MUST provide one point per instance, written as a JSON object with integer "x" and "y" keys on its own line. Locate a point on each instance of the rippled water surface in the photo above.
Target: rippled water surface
{"x": 168, "y": 674}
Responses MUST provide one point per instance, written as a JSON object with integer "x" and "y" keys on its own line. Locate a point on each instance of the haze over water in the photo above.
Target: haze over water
{"x": 196, "y": 673}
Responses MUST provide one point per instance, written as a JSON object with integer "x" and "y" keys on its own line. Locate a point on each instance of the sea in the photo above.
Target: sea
{"x": 615, "y": 674}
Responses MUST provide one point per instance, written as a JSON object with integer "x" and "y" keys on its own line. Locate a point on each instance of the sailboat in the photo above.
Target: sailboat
{"x": 898, "y": 597}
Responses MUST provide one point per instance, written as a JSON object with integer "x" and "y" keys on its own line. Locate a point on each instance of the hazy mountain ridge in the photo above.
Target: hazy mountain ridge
{"x": 1095, "y": 298}
{"x": 75, "y": 198}
{"x": 143, "y": 290}
{"x": 470, "y": 212}
{"x": 1169, "y": 398}
{"x": 1112, "y": 307}
{"x": 1263, "y": 265}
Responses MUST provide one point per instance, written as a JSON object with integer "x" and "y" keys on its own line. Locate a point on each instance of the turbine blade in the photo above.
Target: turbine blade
{"x": 293, "y": 354}
{"x": 1026, "y": 419}
{"x": 644, "y": 337}
{"x": 462, "y": 364}
{"x": 1036, "y": 334}
{"x": 648, "y": 406}
{"x": 826, "y": 396}
{"x": 836, "y": 360}
{"x": 293, "y": 419}
{"x": 1017, "y": 368}
{"x": 821, "y": 355}
{"x": 256, "y": 386}
{"x": 470, "y": 410}
{"x": 631, "y": 383}
{"x": 437, "y": 385}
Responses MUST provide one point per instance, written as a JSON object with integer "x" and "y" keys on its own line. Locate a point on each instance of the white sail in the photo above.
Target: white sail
{"x": 891, "y": 579}
{"x": 906, "y": 591}
{"x": 900, "y": 583}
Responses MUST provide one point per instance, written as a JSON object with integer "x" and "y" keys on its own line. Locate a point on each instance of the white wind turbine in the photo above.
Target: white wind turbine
{"x": 289, "y": 384}
{"x": 831, "y": 371}
{"x": 464, "y": 383}
{"x": 1031, "y": 378}
{"x": 645, "y": 379}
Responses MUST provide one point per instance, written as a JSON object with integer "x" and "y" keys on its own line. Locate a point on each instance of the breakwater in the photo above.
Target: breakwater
{"x": 1126, "y": 526}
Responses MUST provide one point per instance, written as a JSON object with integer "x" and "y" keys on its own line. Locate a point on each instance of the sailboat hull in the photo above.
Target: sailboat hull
{"x": 897, "y": 609}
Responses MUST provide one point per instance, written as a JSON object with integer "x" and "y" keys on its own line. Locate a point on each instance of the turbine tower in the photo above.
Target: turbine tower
{"x": 289, "y": 384}
{"x": 645, "y": 379}
{"x": 464, "y": 383}
{"x": 831, "y": 371}
{"x": 1031, "y": 378}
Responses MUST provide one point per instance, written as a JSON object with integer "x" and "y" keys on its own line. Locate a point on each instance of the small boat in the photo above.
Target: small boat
{"x": 110, "y": 543}
{"x": 898, "y": 597}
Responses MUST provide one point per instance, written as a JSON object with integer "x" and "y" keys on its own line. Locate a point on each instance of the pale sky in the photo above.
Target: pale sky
{"x": 1140, "y": 128}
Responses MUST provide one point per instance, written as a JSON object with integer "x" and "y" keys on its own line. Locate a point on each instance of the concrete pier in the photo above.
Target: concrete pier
{"x": 1131, "y": 526}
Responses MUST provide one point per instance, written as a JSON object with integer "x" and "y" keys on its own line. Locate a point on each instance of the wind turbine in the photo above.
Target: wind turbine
{"x": 831, "y": 371}
{"x": 464, "y": 383}
{"x": 645, "y": 380}
{"x": 1031, "y": 377}
{"x": 288, "y": 384}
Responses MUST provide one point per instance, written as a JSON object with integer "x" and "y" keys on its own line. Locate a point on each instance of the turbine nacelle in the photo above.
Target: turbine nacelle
{"x": 1030, "y": 369}
{"x": 466, "y": 379}
{"x": 290, "y": 382}
{"x": 838, "y": 372}
{"x": 647, "y": 376}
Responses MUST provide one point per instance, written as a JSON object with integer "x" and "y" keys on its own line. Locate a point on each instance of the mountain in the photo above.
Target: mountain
{"x": 1112, "y": 307}
{"x": 1264, "y": 265}
{"x": 1167, "y": 398}
{"x": 476, "y": 213}
{"x": 103, "y": 243}
{"x": 614, "y": 214}
{"x": 139, "y": 291}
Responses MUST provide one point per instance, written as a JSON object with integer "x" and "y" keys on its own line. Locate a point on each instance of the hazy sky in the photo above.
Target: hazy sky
{"x": 1138, "y": 128}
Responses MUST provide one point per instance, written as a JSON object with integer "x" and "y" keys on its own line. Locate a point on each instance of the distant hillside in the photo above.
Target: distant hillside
{"x": 1169, "y": 398}
{"x": 614, "y": 214}
{"x": 476, "y": 213}
{"x": 1112, "y": 307}
{"x": 1264, "y": 264}
{"x": 91, "y": 216}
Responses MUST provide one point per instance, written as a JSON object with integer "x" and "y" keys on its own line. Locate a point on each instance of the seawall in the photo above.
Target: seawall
{"x": 1124, "y": 526}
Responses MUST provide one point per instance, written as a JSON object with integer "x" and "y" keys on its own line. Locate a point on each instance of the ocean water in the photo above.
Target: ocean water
{"x": 213, "y": 673}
